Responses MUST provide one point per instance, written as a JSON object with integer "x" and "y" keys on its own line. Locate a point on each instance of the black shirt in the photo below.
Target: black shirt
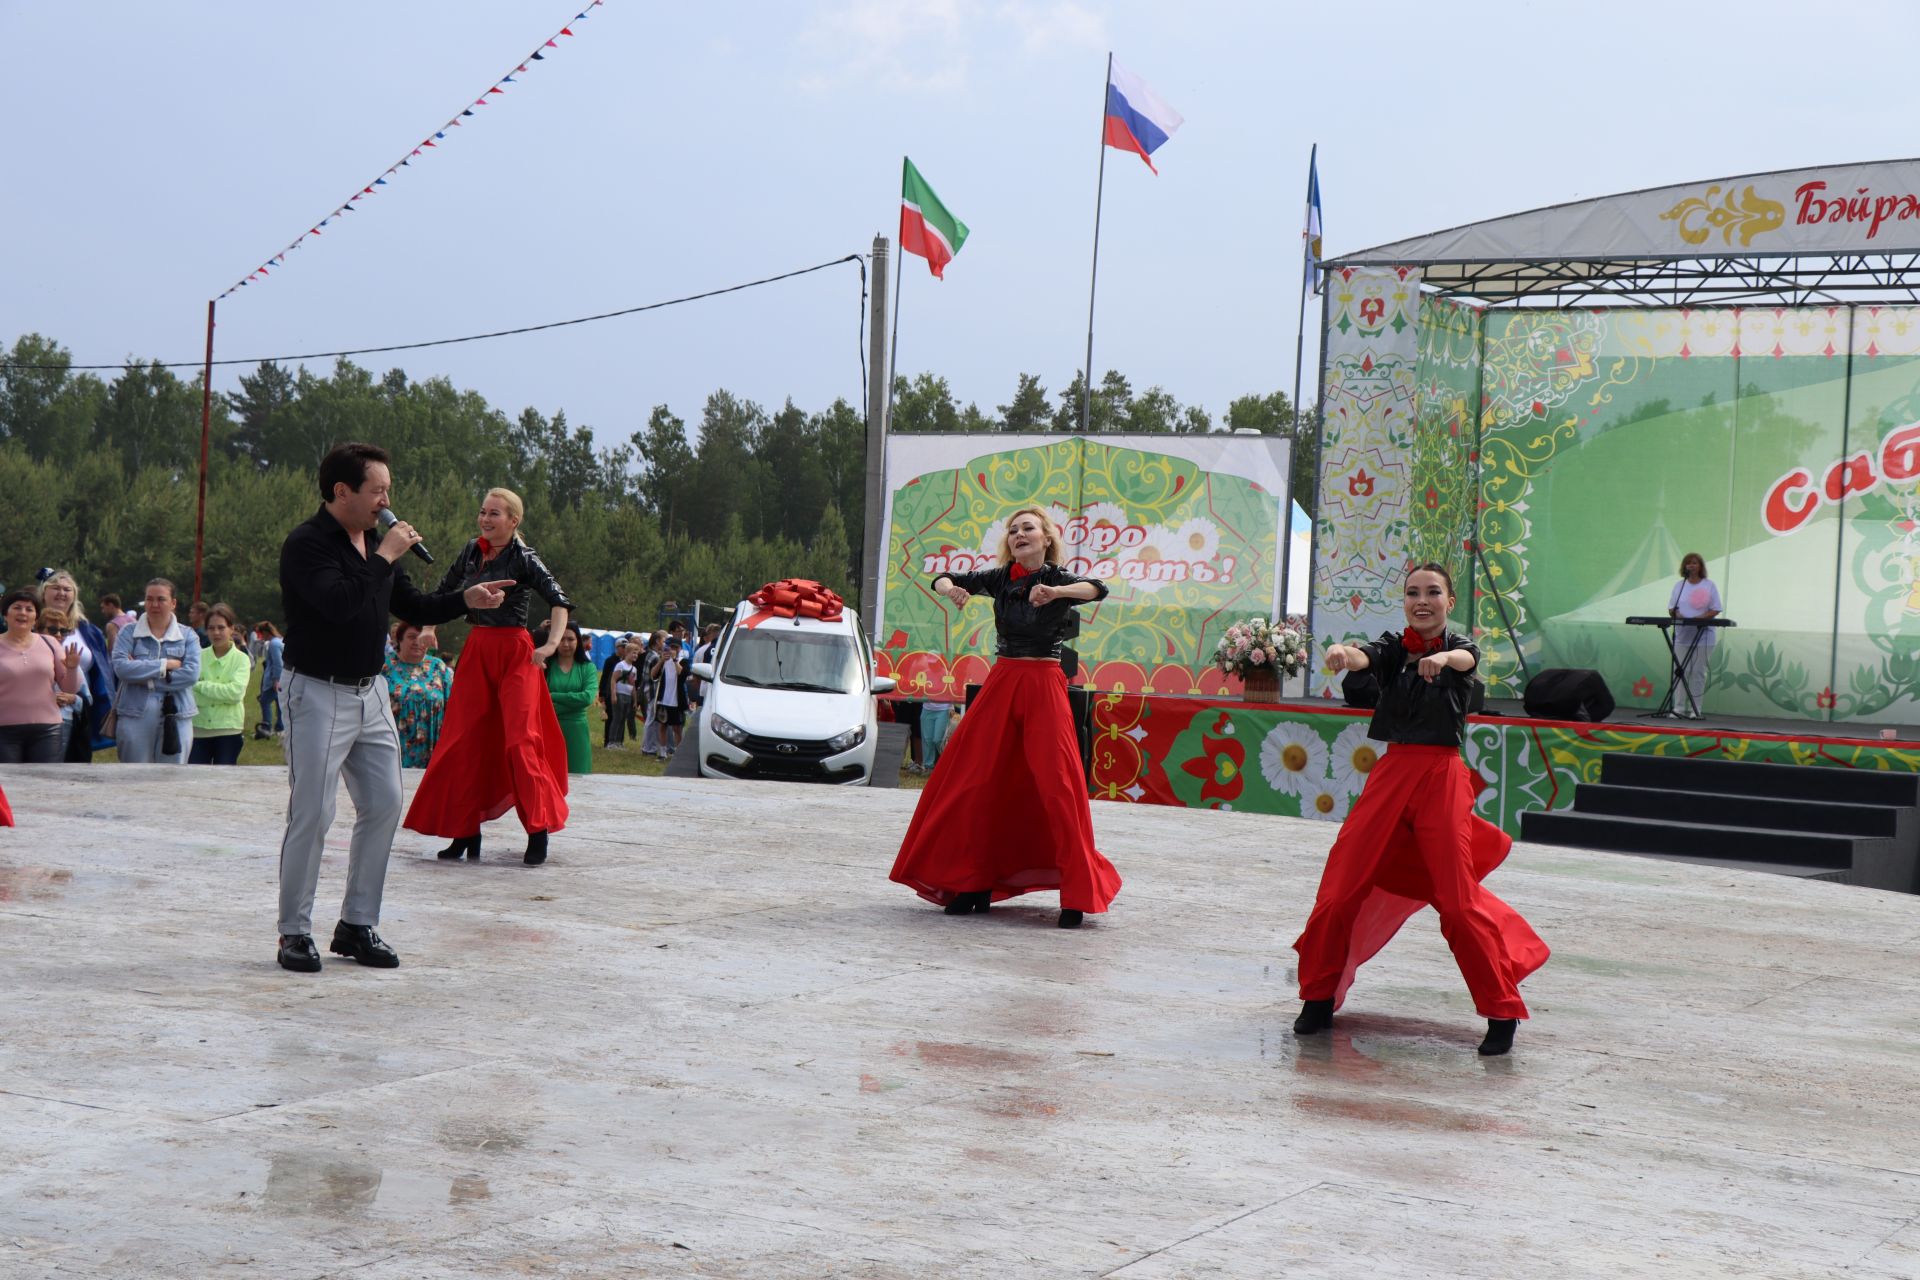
{"x": 336, "y": 601}
{"x": 517, "y": 561}
{"x": 1411, "y": 710}
{"x": 1025, "y": 631}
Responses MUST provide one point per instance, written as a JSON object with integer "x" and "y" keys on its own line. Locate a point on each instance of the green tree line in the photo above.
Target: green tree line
{"x": 99, "y": 476}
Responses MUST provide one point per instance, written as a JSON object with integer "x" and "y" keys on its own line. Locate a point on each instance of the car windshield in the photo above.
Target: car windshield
{"x": 776, "y": 657}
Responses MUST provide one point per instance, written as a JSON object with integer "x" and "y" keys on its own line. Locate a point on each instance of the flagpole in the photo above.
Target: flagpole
{"x": 1306, "y": 276}
{"x": 893, "y": 350}
{"x": 1100, "y": 190}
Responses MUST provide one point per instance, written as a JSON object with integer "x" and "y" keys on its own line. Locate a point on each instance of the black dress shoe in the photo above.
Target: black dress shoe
{"x": 1071, "y": 919}
{"x": 536, "y": 848}
{"x": 1499, "y": 1036}
{"x": 968, "y": 903}
{"x": 1315, "y": 1016}
{"x": 361, "y": 943}
{"x": 298, "y": 953}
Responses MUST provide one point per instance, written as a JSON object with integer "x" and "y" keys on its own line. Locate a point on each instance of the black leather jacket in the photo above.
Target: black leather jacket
{"x": 1411, "y": 710}
{"x": 516, "y": 560}
{"x": 1024, "y": 631}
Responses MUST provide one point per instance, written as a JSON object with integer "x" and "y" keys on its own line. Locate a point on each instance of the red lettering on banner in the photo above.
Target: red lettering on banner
{"x": 1850, "y": 475}
{"x": 1793, "y": 499}
{"x": 1900, "y": 454}
{"x": 1861, "y": 206}
{"x": 1779, "y": 513}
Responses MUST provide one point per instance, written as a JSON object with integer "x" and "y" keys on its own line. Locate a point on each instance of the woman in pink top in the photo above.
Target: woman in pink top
{"x": 35, "y": 671}
{"x": 1694, "y": 596}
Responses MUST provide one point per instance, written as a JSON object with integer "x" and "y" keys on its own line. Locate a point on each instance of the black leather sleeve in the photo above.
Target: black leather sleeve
{"x": 535, "y": 574}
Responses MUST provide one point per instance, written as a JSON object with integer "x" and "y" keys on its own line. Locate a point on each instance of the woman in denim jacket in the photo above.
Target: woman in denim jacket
{"x": 153, "y": 658}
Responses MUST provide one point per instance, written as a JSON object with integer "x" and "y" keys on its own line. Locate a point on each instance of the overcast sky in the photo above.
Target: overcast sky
{"x": 158, "y": 152}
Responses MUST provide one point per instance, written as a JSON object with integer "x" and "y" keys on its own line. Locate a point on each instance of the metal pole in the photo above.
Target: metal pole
{"x": 1313, "y": 516}
{"x": 1306, "y": 275}
{"x": 206, "y": 435}
{"x": 1100, "y": 190}
{"x": 879, "y": 378}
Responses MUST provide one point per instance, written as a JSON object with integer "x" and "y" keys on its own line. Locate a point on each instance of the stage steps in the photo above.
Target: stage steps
{"x": 1851, "y": 825}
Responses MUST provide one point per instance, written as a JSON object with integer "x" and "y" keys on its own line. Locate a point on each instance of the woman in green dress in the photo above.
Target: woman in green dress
{"x": 417, "y": 683}
{"x": 574, "y": 684}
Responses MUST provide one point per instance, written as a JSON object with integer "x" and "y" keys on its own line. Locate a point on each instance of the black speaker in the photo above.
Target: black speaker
{"x": 1568, "y": 693}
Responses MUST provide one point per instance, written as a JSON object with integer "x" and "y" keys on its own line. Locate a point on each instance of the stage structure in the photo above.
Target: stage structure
{"x": 1587, "y": 392}
{"x": 1187, "y": 532}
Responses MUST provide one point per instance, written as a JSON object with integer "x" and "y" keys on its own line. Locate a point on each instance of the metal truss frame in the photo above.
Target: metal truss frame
{"x": 1777, "y": 280}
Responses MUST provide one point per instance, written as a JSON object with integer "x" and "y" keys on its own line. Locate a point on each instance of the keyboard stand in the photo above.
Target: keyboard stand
{"x": 1677, "y": 678}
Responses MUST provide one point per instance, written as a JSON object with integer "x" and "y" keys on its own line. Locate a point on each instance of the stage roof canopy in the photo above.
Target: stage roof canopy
{"x": 1796, "y": 236}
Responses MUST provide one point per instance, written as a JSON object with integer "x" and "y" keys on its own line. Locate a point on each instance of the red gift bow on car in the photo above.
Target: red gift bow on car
{"x": 796, "y": 598}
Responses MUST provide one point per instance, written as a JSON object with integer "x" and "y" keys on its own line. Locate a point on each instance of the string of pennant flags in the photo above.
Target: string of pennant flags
{"x": 418, "y": 151}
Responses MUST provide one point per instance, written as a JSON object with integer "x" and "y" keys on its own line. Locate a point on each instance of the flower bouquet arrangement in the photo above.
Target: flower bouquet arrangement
{"x": 1262, "y": 652}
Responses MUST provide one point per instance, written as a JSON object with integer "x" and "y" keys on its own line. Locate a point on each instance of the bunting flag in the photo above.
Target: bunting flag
{"x": 417, "y": 151}
{"x": 926, "y": 228}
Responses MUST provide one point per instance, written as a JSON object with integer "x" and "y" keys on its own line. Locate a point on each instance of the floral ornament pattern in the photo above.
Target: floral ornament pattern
{"x": 1354, "y": 755}
{"x": 1220, "y": 768}
{"x": 1293, "y": 759}
{"x": 1324, "y": 802}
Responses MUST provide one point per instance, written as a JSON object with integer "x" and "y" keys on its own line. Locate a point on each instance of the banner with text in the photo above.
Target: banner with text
{"x": 1187, "y": 532}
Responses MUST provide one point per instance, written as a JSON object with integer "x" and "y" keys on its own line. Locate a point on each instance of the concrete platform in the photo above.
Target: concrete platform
{"x": 710, "y": 1039}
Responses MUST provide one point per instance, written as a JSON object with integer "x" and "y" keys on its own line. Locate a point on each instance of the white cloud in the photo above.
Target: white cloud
{"x": 923, "y": 46}
{"x": 1044, "y": 25}
{"x": 887, "y": 44}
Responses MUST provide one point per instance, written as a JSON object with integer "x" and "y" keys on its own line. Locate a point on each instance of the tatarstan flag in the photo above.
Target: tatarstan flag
{"x": 926, "y": 228}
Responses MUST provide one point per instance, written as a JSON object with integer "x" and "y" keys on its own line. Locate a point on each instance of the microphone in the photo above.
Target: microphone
{"x": 387, "y": 520}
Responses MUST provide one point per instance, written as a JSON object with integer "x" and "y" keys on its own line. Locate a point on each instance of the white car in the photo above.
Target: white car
{"x": 789, "y": 699}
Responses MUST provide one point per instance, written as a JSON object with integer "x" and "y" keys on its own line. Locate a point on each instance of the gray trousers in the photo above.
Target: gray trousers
{"x": 335, "y": 729}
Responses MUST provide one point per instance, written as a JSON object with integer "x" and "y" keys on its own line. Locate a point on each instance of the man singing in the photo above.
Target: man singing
{"x": 338, "y": 584}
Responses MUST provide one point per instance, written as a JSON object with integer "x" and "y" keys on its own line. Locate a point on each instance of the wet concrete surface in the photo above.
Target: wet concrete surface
{"x": 709, "y": 1038}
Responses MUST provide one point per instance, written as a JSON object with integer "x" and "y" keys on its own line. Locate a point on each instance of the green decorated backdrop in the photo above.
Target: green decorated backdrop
{"x": 1185, "y": 533}
{"x": 1589, "y": 450}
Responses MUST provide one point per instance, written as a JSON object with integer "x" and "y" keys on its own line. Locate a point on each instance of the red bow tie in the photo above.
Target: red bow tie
{"x": 1417, "y": 645}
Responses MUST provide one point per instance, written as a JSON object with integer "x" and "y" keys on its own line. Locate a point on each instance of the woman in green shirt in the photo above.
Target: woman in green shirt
{"x": 574, "y": 684}
{"x": 220, "y": 693}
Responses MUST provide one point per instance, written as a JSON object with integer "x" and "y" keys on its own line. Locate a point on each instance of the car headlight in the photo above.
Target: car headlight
{"x": 847, "y": 741}
{"x": 729, "y": 730}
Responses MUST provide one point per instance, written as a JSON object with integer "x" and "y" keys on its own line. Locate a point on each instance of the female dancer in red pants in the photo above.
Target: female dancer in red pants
{"x": 1006, "y": 812}
{"x": 500, "y": 744}
{"x": 1413, "y": 839}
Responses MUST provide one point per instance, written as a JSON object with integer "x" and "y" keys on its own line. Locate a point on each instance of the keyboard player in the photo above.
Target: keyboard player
{"x": 1694, "y": 596}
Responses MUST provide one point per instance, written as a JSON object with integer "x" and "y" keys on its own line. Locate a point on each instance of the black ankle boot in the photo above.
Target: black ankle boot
{"x": 1070, "y": 919}
{"x": 536, "y": 848}
{"x": 460, "y": 848}
{"x": 1499, "y": 1036}
{"x": 1315, "y": 1016}
{"x": 967, "y": 903}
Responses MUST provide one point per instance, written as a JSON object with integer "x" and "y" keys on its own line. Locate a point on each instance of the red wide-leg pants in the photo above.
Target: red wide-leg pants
{"x": 1413, "y": 841}
{"x": 500, "y": 744}
{"x": 1006, "y": 811}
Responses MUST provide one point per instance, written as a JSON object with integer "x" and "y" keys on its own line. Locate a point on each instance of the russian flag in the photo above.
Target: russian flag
{"x": 1138, "y": 119}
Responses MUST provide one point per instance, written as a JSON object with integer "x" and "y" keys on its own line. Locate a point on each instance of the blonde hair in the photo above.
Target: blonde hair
{"x": 1056, "y": 547}
{"x": 515, "y": 508}
{"x": 76, "y": 612}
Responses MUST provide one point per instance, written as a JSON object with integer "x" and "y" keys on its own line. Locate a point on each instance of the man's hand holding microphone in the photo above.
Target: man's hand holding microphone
{"x": 399, "y": 537}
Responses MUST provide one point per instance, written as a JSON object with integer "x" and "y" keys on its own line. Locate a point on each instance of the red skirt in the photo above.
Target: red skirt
{"x": 1006, "y": 811}
{"x": 1413, "y": 841}
{"x": 500, "y": 744}
{"x": 6, "y": 811}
